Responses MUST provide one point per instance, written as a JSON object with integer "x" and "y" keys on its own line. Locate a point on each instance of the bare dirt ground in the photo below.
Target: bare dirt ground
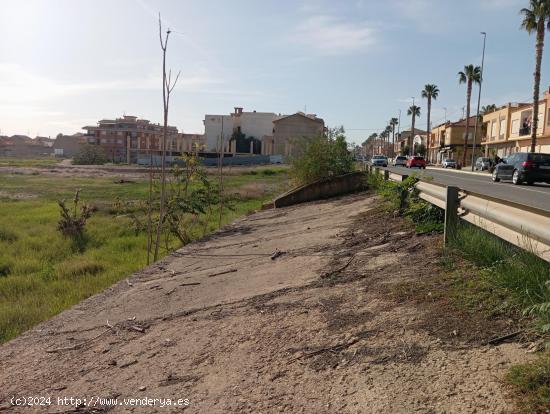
{"x": 289, "y": 310}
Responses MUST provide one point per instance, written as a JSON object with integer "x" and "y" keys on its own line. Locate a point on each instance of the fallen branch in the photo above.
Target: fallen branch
{"x": 81, "y": 344}
{"x": 222, "y": 273}
{"x": 503, "y": 338}
{"x": 338, "y": 347}
{"x": 190, "y": 284}
{"x": 340, "y": 269}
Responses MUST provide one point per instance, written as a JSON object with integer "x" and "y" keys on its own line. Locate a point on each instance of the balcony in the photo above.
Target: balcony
{"x": 524, "y": 131}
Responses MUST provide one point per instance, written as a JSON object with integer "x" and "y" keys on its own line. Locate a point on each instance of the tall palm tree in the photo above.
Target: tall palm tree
{"x": 430, "y": 92}
{"x": 470, "y": 75}
{"x": 536, "y": 19}
{"x": 413, "y": 111}
{"x": 393, "y": 123}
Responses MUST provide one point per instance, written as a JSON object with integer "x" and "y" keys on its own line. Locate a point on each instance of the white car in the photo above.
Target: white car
{"x": 400, "y": 160}
{"x": 449, "y": 163}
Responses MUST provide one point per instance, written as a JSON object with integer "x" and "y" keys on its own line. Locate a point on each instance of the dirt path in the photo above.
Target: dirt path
{"x": 291, "y": 310}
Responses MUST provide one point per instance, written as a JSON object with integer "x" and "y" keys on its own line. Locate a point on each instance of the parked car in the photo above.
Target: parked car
{"x": 448, "y": 163}
{"x": 400, "y": 160}
{"x": 528, "y": 167}
{"x": 416, "y": 161}
{"x": 483, "y": 163}
{"x": 379, "y": 161}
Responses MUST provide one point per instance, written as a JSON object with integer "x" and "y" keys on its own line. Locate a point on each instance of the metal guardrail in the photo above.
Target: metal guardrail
{"x": 522, "y": 226}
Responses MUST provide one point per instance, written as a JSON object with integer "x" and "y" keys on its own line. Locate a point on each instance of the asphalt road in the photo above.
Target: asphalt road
{"x": 537, "y": 195}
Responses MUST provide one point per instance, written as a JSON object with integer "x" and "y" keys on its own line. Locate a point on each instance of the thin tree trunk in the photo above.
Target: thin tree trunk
{"x": 468, "y": 97}
{"x": 163, "y": 156}
{"x": 149, "y": 211}
{"x": 536, "y": 85}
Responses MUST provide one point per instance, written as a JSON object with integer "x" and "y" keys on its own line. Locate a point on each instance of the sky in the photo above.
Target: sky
{"x": 65, "y": 64}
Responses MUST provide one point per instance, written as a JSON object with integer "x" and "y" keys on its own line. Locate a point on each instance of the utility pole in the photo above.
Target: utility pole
{"x": 411, "y": 148}
{"x": 398, "y": 128}
{"x": 478, "y": 100}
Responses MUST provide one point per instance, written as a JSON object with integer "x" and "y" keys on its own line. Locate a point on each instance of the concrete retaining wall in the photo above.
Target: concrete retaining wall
{"x": 336, "y": 186}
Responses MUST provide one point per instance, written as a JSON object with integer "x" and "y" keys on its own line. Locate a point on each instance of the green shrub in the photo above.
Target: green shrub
{"x": 90, "y": 155}
{"x": 269, "y": 171}
{"x": 322, "y": 157}
{"x": 72, "y": 223}
{"x": 403, "y": 197}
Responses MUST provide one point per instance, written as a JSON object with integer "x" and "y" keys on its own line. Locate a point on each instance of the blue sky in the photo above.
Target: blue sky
{"x": 67, "y": 63}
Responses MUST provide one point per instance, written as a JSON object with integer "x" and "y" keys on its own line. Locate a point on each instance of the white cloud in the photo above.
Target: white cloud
{"x": 330, "y": 36}
{"x": 21, "y": 86}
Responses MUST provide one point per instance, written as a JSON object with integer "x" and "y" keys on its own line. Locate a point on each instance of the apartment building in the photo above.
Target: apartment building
{"x": 447, "y": 141}
{"x": 508, "y": 128}
{"x": 129, "y": 139}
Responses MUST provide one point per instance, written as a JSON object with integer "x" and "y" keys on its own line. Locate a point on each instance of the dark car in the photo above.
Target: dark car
{"x": 524, "y": 167}
{"x": 415, "y": 161}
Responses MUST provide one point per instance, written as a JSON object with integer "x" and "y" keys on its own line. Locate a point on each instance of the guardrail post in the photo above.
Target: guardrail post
{"x": 386, "y": 175}
{"x": 404, "y": 177}
{"x": 451, "y": 214}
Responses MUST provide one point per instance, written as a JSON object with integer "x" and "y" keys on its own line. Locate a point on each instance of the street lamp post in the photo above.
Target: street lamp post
{"x": 411, "y": 149}
{"x": 478, "y": 101}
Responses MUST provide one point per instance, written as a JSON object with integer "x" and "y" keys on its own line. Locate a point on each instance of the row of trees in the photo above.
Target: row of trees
{"x": 536, "y": 19}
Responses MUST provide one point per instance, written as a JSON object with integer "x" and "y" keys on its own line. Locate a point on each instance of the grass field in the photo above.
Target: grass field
{"x": 41, "y": 273}
{"x": 28, "y": 162}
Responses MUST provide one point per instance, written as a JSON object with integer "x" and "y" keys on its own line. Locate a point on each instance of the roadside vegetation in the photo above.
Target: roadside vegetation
{"x": 507, "y": 280}
{"x": 322, "y": 157}
{"x": 44, "y": 271}
{"x": 90, "y": 155}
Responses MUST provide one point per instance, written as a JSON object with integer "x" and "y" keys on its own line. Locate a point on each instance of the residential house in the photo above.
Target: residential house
{"x": 68, "y": 145}
{"x": 289, "y": 131}
{"x": 403, "y": 140}
{"x": 508, "y": 128}
{"x": 447, "y": 141}
{"x": 222, "y": 128}
{"x": 23, "y": 146}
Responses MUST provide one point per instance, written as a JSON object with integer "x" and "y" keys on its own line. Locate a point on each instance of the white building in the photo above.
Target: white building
{"x": 216, "y": 127}
{"x": 252, "y": 124}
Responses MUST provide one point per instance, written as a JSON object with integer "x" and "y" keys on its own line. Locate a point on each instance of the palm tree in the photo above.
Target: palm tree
{"x": 488, "y": 108}
{"x": 536, "y": 19}
{"x": 393, "y": 123}
{"x": 414, "y": 111}
{"x": 471, "y": 75}
{"x": 430, "y": 92}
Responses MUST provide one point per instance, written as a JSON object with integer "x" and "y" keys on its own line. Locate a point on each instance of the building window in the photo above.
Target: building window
{"x": 103, "y": 140}
{"x": 119, "y": 141}
{"x": 502, "y": 128}
{"x": 103, "y": 132}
